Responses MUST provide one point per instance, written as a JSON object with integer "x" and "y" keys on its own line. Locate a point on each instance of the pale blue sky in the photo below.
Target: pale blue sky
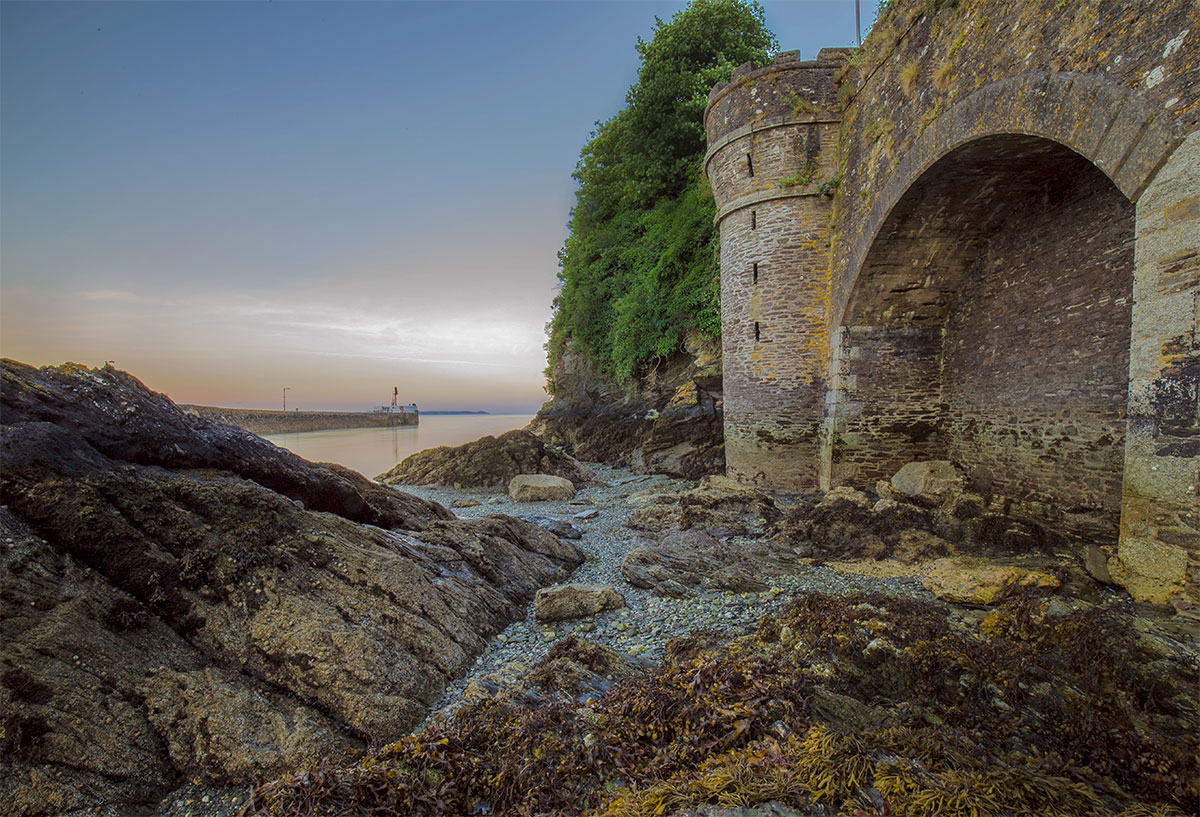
{"x": 228, "y": 198}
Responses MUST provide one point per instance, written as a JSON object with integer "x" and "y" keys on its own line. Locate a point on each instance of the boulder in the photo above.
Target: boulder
{"x": 1095, "y": 562}
{"x": 489, "y": 462}
{"x": 183, "y": 600}
{"x": 686, "y": 562}
{"x": 931, "y": 480}
{"x": 558, "y": 527}
{"x": 569, "y": 601}
{"x": 974, "y": 581}
{"x": 883, "y": 490}
{"x": 1151, "y": 572}
{"x": 540, "y": 488}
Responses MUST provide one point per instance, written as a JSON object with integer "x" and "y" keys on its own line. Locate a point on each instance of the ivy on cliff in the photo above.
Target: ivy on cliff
{"x": 639, "y": 267}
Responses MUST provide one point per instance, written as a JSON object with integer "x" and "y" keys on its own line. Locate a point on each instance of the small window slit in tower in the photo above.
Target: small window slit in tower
{"x": 749, "y": 164}
{"x": 756, "y": 272}
{"x": 757, "y": 335}
{"x": 753, "y": 219}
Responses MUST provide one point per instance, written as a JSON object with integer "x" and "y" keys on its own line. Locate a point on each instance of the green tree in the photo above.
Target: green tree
{"x": 639, "y": 266}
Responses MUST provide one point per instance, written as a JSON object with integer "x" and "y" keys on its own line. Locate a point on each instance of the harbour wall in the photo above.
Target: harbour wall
{"x": 260, "y": 421}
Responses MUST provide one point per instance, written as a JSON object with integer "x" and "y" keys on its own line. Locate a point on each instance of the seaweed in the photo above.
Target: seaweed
{"x": 866, "y": 703}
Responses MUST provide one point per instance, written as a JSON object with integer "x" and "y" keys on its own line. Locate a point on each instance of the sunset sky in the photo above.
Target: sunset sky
{"x": 227, "y": 199}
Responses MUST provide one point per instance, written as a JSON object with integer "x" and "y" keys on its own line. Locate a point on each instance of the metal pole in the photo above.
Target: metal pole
{"x": 858, "y": 23}
{"x": 285, "y": 391}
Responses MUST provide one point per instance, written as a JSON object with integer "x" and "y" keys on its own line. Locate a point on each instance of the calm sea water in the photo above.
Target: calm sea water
{"x": 371, "y": 451}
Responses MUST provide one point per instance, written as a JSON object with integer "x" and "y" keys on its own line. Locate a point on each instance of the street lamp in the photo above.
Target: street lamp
{"x": 286, "y": 389}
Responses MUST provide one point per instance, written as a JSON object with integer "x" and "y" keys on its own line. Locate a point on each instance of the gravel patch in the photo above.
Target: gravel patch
{"x": 643, "y": 627}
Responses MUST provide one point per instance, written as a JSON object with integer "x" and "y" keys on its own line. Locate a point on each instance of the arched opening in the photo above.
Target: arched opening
{"x": 990, "y": 325}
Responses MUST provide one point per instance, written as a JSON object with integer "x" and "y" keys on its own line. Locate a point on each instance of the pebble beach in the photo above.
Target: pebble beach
{"x": 640, "y": 629}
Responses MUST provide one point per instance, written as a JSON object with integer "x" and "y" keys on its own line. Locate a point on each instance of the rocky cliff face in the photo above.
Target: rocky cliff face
{"x": 183, "y": 600}
{"x": 671, "y": 423}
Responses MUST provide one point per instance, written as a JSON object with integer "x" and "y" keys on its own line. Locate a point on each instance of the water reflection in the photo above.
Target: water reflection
{"x": 371, "y": 451}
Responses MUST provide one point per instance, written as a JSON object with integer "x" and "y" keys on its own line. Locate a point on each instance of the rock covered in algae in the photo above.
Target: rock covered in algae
{"x": 972, "y": 581}
{"x": 182, "y": 598}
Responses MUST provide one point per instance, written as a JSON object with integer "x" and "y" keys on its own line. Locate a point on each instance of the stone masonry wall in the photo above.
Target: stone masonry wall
{"x": 957, "y": 123}
{"x": 1077, "y": 57}
{"x": 889, "y": 400}
{"x": 1037, "y": 350}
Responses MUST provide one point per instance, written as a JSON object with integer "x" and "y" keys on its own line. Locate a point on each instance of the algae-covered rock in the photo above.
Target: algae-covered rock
{"x": 489, "y": 462}
{"x": 182, "y": 599}
{"x": 683, "y": 563}
{"x": 718, "y": 505}
{"x": 972, "y": 581}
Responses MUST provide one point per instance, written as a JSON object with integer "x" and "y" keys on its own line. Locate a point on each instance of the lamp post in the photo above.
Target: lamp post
{"x": 286, "y": 389}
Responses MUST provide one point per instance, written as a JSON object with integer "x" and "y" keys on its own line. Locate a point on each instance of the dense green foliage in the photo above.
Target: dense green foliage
{"x": 639, "y": 266}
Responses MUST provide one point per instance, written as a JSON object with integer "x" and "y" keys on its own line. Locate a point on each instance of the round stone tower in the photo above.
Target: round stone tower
{"x": 772, "y": 163}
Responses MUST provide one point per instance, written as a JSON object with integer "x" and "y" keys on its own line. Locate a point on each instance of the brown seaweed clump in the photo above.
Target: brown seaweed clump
{"x": 865, "y": 704}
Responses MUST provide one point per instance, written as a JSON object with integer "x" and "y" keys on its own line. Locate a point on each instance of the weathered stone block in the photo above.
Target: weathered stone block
{"x": 1150, "y": 571}
{"x": 570, "y": 601}
{"x": 539, "y": 488}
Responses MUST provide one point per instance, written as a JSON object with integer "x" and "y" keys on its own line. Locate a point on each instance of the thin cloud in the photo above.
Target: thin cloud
{"x": 117, "y": 296}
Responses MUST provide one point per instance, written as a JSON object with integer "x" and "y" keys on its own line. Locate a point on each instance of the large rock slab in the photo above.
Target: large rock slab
{"x": 489, "y": 462}
{"x": 718, "y": 505}
{"x": 183, "y": 600}
{"x": 569, "y": 601}
{"x": 973, "y": 581}
{"x": 540, "y": 488}
{"x": 683, "y": 563}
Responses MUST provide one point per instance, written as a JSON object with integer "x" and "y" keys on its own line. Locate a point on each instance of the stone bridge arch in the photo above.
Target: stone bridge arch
{"x": 1047, "y": 380}
{"x": 989, "y": 325}
{"x": 959, "y": 133}
{"x": 1111, "y": 125}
